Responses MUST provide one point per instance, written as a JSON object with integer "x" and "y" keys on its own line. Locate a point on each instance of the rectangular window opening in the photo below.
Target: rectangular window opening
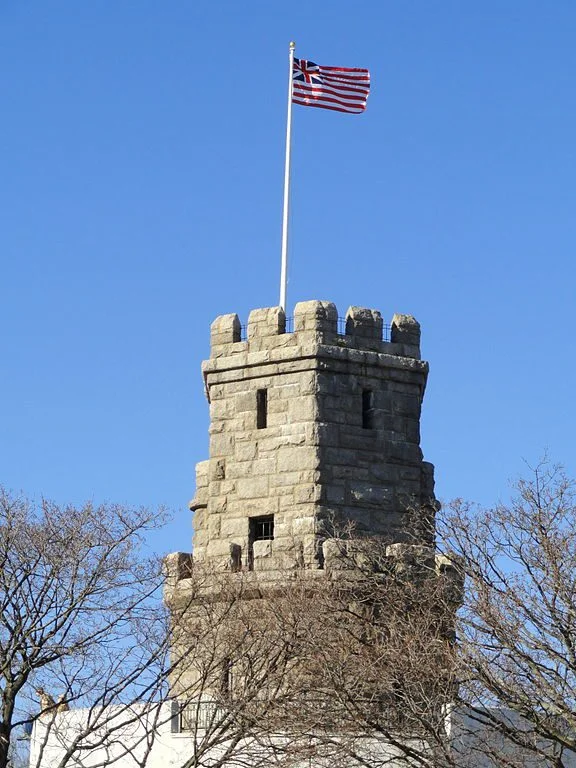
{"x": 367, "y": 409}
{"x": 261, "y": 408}
{"x": 261, "y": 529}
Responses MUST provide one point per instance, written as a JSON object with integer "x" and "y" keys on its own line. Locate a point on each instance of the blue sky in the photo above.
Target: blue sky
{"x": 140, "y": 197}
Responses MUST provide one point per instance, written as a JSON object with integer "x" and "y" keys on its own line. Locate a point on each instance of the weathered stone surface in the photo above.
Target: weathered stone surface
{"x": 177, "y": 565}
{"x": 252, "y": 488}
{"x": 409, "y": 558}
{"x": 364, "y": 324}
{"x": 332, "y": 450}
{"x": 405, "y": 330}
{"x": 315, "y": 454}
{"x": 316, "y": 316}
{"x": 335, "y": 554}
{"x": 266, "y": 322}
{"x": 225, "y": 330}
{"x": 200, "y": 499}
{"x": 372, "y": 495}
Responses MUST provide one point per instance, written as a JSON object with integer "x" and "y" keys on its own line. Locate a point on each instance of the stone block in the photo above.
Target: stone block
{"x": 284, "y": 440}
{"x": 270, "y": 321}
{"x": 297, "y": 458}
{"x": 224, "y": 555}
{"x": 412, "y": 431}
{"x": 409, "y": 473}
{"x": 308, "y": 383}
{"x": 304, "y": 494}
{"x": 235, "y": 527}
{"x": 218, "y": 504}
{"x": 303, "y": 525}
{"x": 264, "y": 466}
{"x": 321, "y": 316}
{"x": 352, "y": 472}
{"x": 221, "y": 445}
{"x": 427, "y": 478}
{"x": 282, "y": 562}
{"x": 245, "y": 450}
{"x": 405, "y": 329}
{"x": 412, "y": 555}
{"x": 285, "y": 544}
{"x": 311, "y": 550}
{"x": 262, "y": 549}
{"x": 217, "y": 426}
{"x": 214, "y": 526}
{"x": 339, "y": 456}
{"x": 401, "y": 452}
{"x": 284, "y": 392}
{"x": 225, "y": 329}
{"x": 257, "y": 359}
{"x": 200, "y": 535}
{"x": 268, "y": 505}
{"x": 328, "y": 384}
{"x": 411, "y": 350}
{"x": 335, "y": 554}
{"x": 407, "y": 405}
{"x": 177, "y": 566}
{"x": 202, "y": 469}
{"x": 334, "y": 494}
{"x": 277, "y": 419}
{"x": 371, "y": 495}
{"x": 276, "y": 405}
{"x": 363, "y": 325}
{"x": 284, "y": 478}
{"x": 244, "y": 401}
{"x": 252, "y": 488}
{"x": 302, "y": 409}
{"x": 361, "y": 439}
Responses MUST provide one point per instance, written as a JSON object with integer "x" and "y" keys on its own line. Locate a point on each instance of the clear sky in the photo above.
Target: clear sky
{"x": 142, "y": 149}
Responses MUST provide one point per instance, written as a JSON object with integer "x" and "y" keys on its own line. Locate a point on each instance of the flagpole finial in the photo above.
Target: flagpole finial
{"x": 292, "y": 45}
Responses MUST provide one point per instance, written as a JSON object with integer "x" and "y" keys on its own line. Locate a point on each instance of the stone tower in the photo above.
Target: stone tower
{"x": 310, "y": 430}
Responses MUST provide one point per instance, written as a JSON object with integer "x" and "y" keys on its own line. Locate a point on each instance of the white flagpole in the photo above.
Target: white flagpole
{"x": 284, "y": 268}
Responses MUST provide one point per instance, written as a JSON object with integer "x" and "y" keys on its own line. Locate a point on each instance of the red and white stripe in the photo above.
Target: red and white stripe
{"x": 338, "y": 88}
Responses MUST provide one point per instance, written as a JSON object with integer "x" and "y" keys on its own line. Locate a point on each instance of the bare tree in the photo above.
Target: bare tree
{"x": 506, "y": 681}
{"x": 370, "y": 662}
{"x": 347, "y": 666}
{"x": 382, "y": 658}
{"x": 517, "y": 628}
{"x": 77, "y": 597}
{"x": 266, "y": 670}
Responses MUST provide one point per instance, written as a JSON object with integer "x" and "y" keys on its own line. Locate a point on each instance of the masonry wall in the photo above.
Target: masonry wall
{"x": 317, "y": 464}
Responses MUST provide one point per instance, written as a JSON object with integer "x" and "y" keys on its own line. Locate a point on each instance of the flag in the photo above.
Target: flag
{"x": 339, "y": 88}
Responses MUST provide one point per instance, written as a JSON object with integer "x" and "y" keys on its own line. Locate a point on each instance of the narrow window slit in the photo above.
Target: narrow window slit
{"x": 261, "y": 408}
{"x": 367, "y": 409}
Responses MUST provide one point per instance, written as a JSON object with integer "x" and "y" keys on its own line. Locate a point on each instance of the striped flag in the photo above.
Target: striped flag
{"x": 339, "y": 88}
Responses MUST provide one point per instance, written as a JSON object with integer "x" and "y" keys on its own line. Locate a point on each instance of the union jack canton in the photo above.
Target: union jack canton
{"x": 339, "y": 88}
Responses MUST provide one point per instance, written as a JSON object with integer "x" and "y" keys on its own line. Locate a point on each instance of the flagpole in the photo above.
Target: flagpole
{"x": 284, "y": 267}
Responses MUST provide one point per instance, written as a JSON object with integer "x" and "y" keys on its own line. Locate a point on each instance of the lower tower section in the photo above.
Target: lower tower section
{"x": 314, "y": 532}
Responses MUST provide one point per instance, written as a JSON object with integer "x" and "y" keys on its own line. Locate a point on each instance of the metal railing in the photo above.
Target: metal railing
{"x": 200, "y": 714}
{"x": 341, "y": 329}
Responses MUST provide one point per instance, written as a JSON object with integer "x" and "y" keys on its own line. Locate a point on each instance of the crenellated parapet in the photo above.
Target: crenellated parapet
{"x": 315, "y": 321}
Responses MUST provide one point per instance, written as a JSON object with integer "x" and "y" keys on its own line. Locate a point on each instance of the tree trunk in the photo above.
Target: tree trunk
{"x": 5, "y": 729}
